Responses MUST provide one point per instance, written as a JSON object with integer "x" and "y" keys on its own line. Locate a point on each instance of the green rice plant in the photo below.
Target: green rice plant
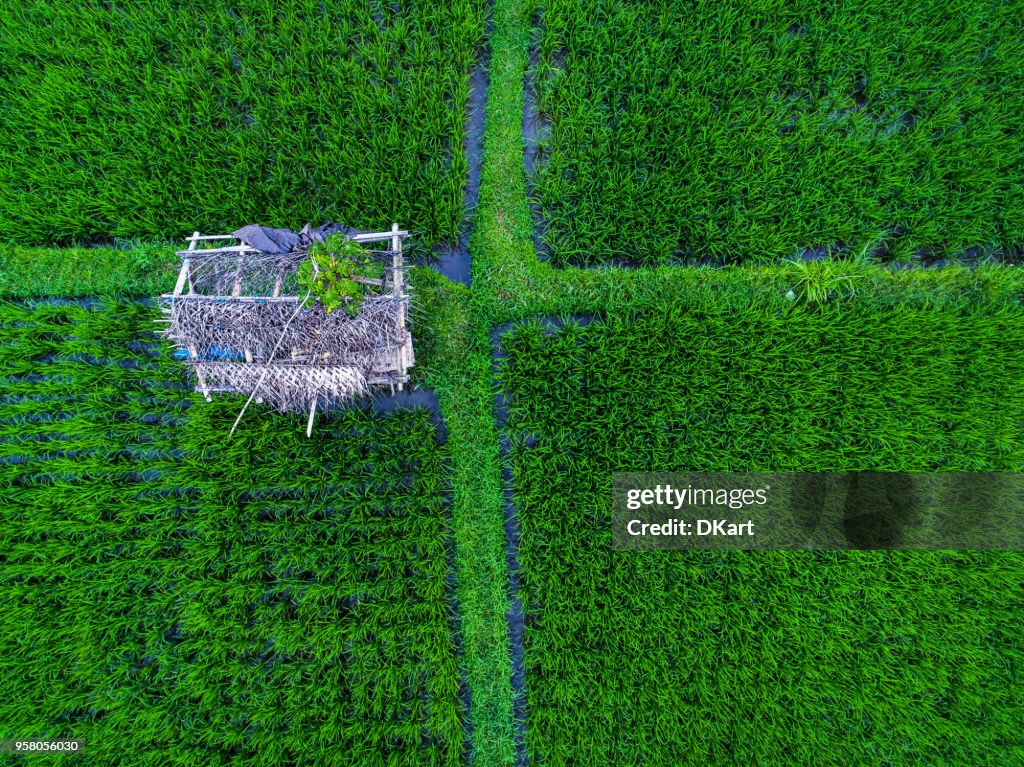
{"x": 176, "y": 597}
{"x": 129, "y": 120}
{"x": 769, "y": 658}
{"x": 753, "y": 130}
{"x": 821, "y": 281}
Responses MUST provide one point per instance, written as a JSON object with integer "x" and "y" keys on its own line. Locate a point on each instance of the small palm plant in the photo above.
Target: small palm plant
{"x": 821, "y": 281}
{"x": 338, "y": 273}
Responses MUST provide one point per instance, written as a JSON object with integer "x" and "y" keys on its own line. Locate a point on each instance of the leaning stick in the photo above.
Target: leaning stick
{"x": 269, "y": 360}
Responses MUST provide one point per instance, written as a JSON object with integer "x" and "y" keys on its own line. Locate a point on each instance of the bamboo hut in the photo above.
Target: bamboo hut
{"x": 240, "y": 321}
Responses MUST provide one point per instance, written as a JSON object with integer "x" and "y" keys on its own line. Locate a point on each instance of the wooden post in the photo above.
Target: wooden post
{"x": 277, "y": 281}
{"x": 260, "y": 351}
{"x": 199, "y": 374}
{"x": 193, "y": 243}
{"x": 312, "y": 414}
{"x": 397, "y": 289}
{"x": 236, "y": 291}
{"x": 183, "y": 275}
{"x": 410, "y": 355}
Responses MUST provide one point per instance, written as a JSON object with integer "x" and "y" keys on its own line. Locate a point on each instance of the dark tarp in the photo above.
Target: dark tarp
{"x": 279, "y": 241}
{"x": 266, "y": 239}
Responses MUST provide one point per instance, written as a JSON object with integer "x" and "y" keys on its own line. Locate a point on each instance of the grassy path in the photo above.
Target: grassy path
{"x": 503, "y": 258}
{"x": 461, "y": 374}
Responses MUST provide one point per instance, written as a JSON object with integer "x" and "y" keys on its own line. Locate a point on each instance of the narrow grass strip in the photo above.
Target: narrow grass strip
{"x": 456, "y": 342}
{"x": 501, "y": 247}
{"x": 136, "y": 269}
{"x": 503, "y": 256}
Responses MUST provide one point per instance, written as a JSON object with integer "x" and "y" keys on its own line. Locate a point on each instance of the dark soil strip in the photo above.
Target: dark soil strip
{"x": 535, "y": 132}
{"x": 452, "y": 259}
{"x": 382, "y": 403}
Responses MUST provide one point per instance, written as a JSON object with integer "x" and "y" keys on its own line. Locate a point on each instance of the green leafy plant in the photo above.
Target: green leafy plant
{"x": 338, "y": 273}
{"x": 821, "y": 281}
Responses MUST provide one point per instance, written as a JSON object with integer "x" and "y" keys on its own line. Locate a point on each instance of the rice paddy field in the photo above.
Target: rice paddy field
{"x": 154, "y": 119}
{"x": 708, "y": 658}
{"x": 175, "y": 597}
{"x": 757, "y": 130}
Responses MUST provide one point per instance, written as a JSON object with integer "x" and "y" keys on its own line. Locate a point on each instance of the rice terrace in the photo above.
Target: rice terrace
{"x": 329, "y": 329}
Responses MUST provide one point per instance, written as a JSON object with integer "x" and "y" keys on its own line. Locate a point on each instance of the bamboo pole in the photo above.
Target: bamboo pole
{"x": 193, "y": 244}
{"x": 397, "y": 289}
{"x": 312, "y": 415}
{"x": 278, "y": 279}
{"x": 217, "y": 251}
{"x": 381, "y": 236}
{"x": 236, "y": 290}
{"x": 183, "y": 275}
{"x": 215, "y": 237}
{"x": 246, "y": 299}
